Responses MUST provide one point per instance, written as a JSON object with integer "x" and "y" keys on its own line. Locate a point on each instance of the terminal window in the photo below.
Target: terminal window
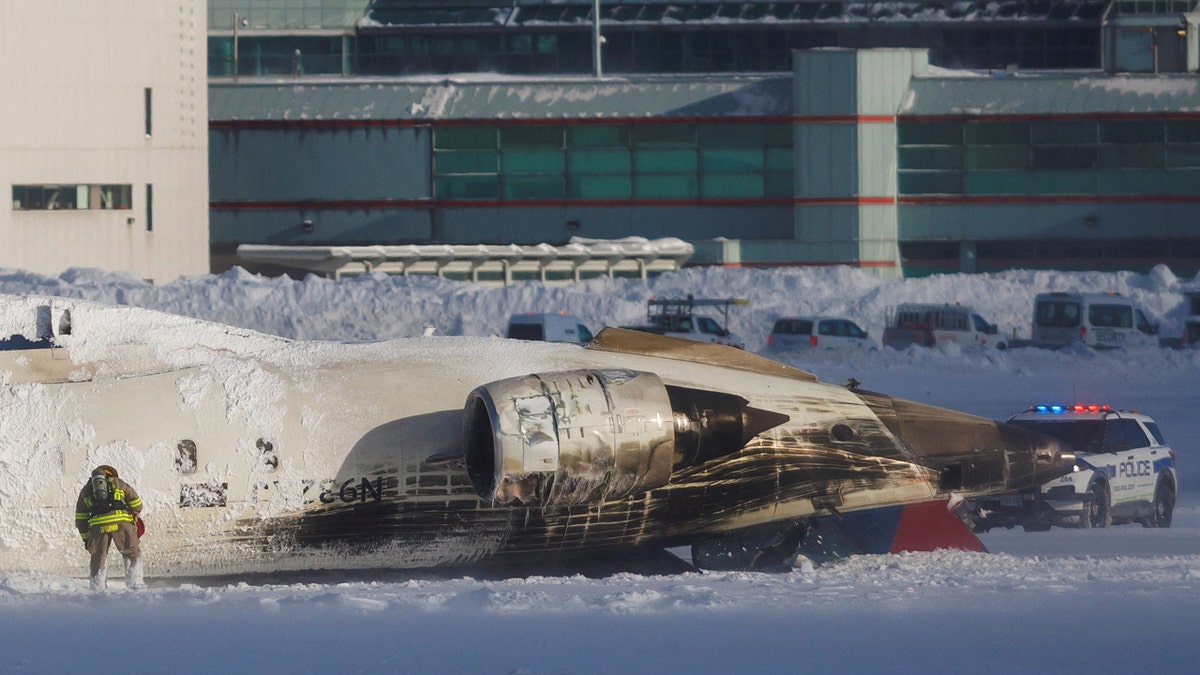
{"x": 615, "y": 162}
{"x": 72, "y": 197}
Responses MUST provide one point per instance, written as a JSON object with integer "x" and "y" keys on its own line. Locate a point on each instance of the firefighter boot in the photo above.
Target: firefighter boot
{"x": 133, "y": 574}
{"x": 100, "y": 580}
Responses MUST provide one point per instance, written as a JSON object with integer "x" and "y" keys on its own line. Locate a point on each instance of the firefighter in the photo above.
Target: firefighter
{"x": 105, "y": 513}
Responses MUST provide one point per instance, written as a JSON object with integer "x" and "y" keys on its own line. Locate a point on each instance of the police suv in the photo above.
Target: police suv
{"x": 1124, "y": 472}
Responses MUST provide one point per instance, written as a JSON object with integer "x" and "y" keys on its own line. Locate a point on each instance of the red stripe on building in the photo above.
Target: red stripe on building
{"x": 844, "y": 119}
{"x": 313, "y": 205}
{"x": 1057, "y": 117}
{"x": 844, "y": 201}
{"x": 1045, "y": 199}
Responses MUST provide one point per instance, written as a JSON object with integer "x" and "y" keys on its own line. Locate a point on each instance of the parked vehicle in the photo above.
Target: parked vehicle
{"x": 1100, "y": 320}
{"x": 548, "y": 327}
{"x": 1124, "y": 472}
{"x": 928, "y": 325}
{"x": 817, "y": 332}
{"x": 676, "y": 317}
{"x": 1191, "y": 325}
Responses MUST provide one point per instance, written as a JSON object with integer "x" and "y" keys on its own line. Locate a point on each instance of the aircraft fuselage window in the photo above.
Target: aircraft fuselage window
{"x": 185, "y": 456}
{"x": 269, "y": 456}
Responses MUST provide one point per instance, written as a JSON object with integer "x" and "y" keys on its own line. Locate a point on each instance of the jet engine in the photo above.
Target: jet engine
{"x": 574, "y": 437}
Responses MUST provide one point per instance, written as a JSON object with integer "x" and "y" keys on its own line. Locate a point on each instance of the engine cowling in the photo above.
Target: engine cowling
{"x": 575, "y": 437}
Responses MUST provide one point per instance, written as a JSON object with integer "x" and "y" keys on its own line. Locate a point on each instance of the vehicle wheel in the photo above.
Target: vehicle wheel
{"x": 1096, "y": 512}
{"x": 1164, "y": 505}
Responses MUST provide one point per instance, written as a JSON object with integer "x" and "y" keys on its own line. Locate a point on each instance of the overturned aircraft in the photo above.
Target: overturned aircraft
{"x": 258, "y": 454}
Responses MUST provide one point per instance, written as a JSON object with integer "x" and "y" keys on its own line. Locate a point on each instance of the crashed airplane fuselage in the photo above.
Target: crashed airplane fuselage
{"x": 257, "y": 454}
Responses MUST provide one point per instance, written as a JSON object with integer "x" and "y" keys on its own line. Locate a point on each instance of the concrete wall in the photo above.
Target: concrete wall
{"x": 845, "y": 154}
{"x": 73, "y": 112}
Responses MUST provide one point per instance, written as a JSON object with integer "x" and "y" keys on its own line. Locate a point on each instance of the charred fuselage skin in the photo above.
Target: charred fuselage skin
{"x": 451, "y": 452}
{"x": 806, "y": 449}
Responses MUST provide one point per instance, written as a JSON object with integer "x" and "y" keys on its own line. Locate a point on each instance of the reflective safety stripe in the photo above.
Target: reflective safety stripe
{"x": 82, "y": 515}
{"x": 111, "y": 518}
{"x": 135, "y": 503}
{"x": 109, "y": 528}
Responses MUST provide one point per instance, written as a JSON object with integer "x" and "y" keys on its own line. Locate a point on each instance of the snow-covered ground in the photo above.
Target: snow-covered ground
{"x": 1113, "y": 600}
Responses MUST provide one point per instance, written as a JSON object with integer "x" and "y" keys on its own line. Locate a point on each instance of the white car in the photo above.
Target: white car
{"x": 1124, "y": 472}
{"x": 817, "y": 332}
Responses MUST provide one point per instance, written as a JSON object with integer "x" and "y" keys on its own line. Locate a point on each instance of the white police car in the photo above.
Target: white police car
{"x": 1124, "y": 472}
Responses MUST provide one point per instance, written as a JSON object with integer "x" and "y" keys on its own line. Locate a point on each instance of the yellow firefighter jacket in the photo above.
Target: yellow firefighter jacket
{"x": 121, "y": 505}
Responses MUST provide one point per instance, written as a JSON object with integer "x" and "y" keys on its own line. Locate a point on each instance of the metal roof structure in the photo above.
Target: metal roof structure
{"x": 1061, "y": 93}
{"x": 499, "y": 97}
{"x": 633, "y": 256}
{"x": 427, "y": 14}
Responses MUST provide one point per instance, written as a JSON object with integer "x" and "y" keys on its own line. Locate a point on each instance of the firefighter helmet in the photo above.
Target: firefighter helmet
{"x": 104, "y": 469}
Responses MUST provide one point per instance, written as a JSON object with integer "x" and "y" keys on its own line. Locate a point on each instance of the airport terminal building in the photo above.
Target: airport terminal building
{"x": 902, "y": 137}
{"x": 104, "y": 143}
{"x": 918, "y": 138}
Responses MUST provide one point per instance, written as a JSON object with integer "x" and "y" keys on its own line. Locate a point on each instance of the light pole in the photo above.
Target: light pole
{"x": 238, "y": 20}
{"x": 597, "y": 39}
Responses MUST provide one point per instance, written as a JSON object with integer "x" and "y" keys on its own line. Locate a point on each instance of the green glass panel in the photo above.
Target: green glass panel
{"x": 1185, "y": 182}
{"x": 466, "y": 187}
{"x": 1063, "y": 133}
{"x": 998, "y": 182}
{"x": 731, "y": 185}
{"x": 1183, "y": 155}
{"x": 778, "y": 184}
{"x": 1064, "y": 157}
{"x": 731, "y": 160}
{"x": 1064, "y": 182}
{"x": 531, "y": 137}
{"x": 598, "y": 137}
{"x": 547, "y": 43}
{"x": 1133, "y": 182}
{"x": 464, "y": 161}
{"x": 930, "y": 157}
{"x": 533, "y": 187}
{"x": 1183, "y": 131}
{"x": 663, "y": 135}
{"x": 598, "y": 161}
{"x": 929, "y": 133}
{"x": 1131, "y": 131}
{"x": 998, "y": 157}
{"x": 780, "y": 160}
{"x": 997, "y": 133}
{"x": 528, "y": 161}
{"x": 520, "y": 44}
{"x": 930, "y": 182}
{"x": 664, "y": 160}
{"x": 1132, "y": 156}
{"x": 464, "y": 138}
{"x": 778, "y": 135}
{"x": 665, "y": 186}
{"x": 730, "y": 135}
{"x": 601, "y": 187}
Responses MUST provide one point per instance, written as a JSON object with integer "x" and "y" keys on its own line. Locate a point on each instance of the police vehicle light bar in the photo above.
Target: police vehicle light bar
{"x": 1056, "y": 409}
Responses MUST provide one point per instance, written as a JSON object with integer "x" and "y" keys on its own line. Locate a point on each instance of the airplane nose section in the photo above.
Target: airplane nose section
{"x": 973, "y": 454}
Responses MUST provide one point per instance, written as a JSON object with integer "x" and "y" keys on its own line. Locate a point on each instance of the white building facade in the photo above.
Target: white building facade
{"x": 104, "y": 136}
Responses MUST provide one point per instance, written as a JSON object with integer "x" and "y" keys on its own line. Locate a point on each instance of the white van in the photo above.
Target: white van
{"x": 799, "y": 333}
{"x": 1100, "y": 320}
{"x": 548, "y": 327}
{"x": 928, "y": 325}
